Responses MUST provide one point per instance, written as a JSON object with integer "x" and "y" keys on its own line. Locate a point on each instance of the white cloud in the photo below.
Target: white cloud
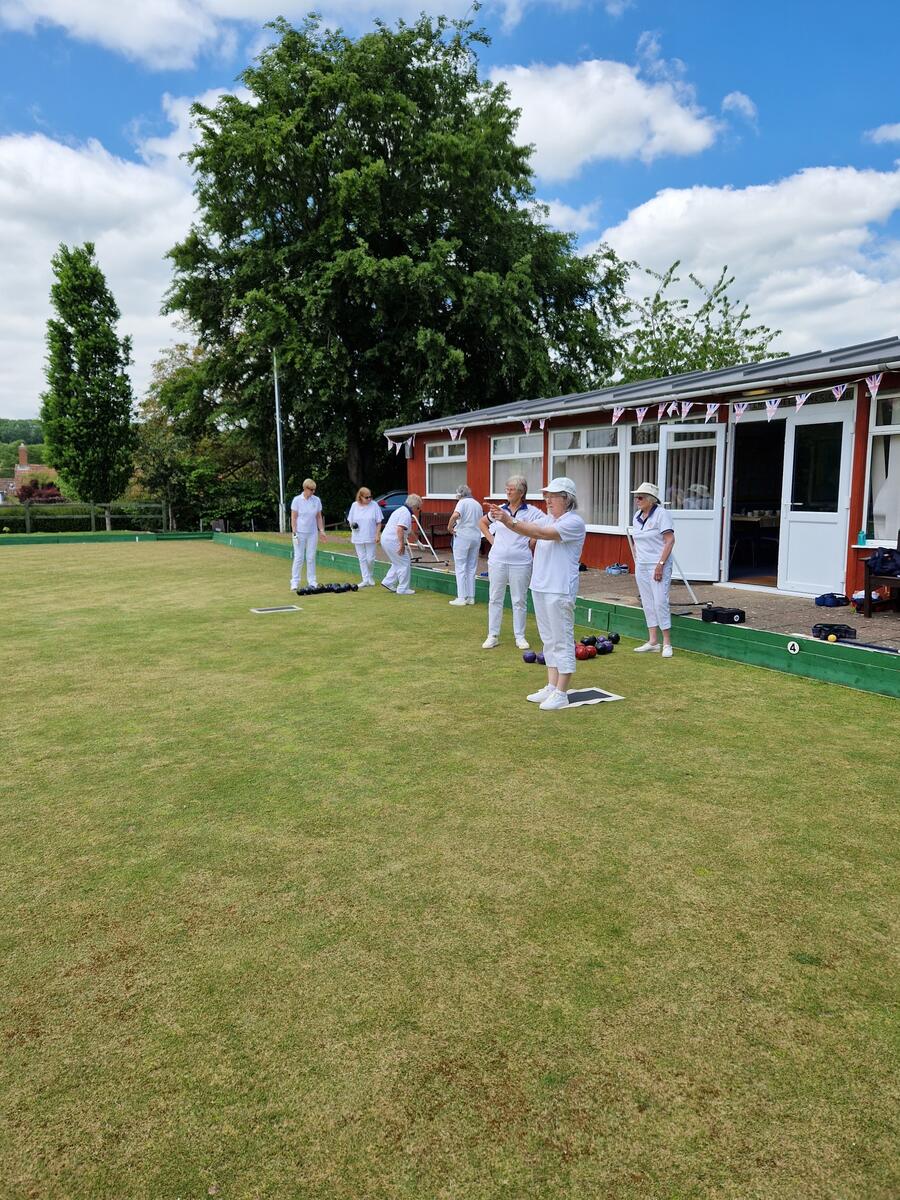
{"x": 740, "y": 103}
{"x": 884, "y": 133}
{"x": 805, "y": 250}
{"x": 572, "y": 220}
{"x": 615, "y": 8}
{"x": 134, "y": 211}
{"x": 601, "y": 109}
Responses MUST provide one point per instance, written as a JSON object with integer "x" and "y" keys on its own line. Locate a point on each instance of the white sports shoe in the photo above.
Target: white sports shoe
{"x": 294, "y": 586}
{"x": 667, "y": 651}
{"x": 647, "y": 648}
{"x": 540, "y": 696}
{"x": 521, "y": 644}
{"x": 490, "y": 642}
{"x": 471, "y": 600}
{"x": 406, "y": 592}
{"x": 386, "y": 588}
{"x": 458, "y": 602}
{"x": 556, "y": 699}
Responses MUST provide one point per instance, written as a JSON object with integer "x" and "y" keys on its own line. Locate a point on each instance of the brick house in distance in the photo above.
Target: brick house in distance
{"x": 25, "y": 470}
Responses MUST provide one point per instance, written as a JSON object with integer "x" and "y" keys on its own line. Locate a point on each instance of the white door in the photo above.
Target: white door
{"x": 815, "y": 499}
{"x": 690, "y": 480}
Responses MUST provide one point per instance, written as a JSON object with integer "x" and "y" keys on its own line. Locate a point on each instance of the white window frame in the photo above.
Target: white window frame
{"x": 516, "y": 455}
{"x": 443, "y": 459}
{"x": 876, "y": 431}
{"x": 581, "y": 451}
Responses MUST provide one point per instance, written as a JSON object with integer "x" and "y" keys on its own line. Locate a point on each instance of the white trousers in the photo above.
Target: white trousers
{"x": 465, "y": 559}
{"x": 555, "y": 612}
{"x": 655, "y": 596}
{"x": 401, "y": 567}
{"x": 304, "y": 548}
{"x": 501, "y": 576}
{"x": 365, "y": 552}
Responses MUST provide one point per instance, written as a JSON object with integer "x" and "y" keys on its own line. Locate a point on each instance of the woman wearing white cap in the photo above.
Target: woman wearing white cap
{"x": 654, "y": 540}
{"x": 559, "y": 536}
{"x": 463, "y": 524}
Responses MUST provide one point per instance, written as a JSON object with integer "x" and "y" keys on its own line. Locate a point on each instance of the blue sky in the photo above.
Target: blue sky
{"x": 763, "y": 135}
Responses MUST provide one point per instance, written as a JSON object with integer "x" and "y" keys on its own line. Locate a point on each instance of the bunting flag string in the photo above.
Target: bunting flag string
{"x": 740, "y": 409}
{"x": 526, "y": 425}
{"x": 711, "y": 410}
{"x": 673, "y": 408}
{"x": 542, "y": 422}
{"x": 640, "y": 413}
{"x": 873, "y": 383}
{"x": 454, "y": 434}
{"x": 801, "y": 399}
{"x": 617, "y": 412}
{"x": 686, "y": 406}
{"x": 389, "y": 442}
{"x": 772, "y": 408}
{"x": 409, "y": 443}
{"x": 660, "y": 410}
{"x": 398, "y": 446}
{"x": 839, "y": 390}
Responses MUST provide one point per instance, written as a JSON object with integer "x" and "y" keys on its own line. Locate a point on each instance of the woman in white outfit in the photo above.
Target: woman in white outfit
{"x": 306, "y": 528}
{"x": 395, "y": 541}
{"x": 654, "y": 540}
{"x": 509, "y": 564}
{"x": 559, "y": 535}
{"x": 466, "y": 531}
{"x": 365, "y": 532}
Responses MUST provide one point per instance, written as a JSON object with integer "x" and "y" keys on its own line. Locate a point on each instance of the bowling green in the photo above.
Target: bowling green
{"x": 315, "y": 905}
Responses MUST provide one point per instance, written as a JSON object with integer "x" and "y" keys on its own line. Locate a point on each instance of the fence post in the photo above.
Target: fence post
{"x": 27, "y": 516}
{"x": 93, "y": 518}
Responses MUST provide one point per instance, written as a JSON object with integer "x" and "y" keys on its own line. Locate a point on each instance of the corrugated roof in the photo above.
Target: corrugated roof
{"x": 773, "y": 374}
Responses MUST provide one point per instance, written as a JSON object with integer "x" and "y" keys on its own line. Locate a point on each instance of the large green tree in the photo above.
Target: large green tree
{"x": 86, "y": 410}
{"x": 366, "y": 211}
{"x": 670, "y": 334}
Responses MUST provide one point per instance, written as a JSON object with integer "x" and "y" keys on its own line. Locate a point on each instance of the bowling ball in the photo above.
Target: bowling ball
{"x": 604, "y": 647}
{"x": 590, "y": 640}
{"x": 541, "y": 660}
{"x": 354, "y": 587}
{"x": 529, "y": 656}
{"x": 614, "y": 638}
{"x": 581, "y": 652}
{"x": 591, "y": 652}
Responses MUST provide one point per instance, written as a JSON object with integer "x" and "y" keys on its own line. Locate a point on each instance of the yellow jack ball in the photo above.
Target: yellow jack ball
{"x": 832, "y": 637}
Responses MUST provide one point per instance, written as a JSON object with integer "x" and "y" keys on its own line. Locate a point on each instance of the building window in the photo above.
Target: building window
{"x": 590, "y": 457}
{"x": 445, "y": 468}
{"x": 643, "y": 457}
{"x": 691, "y": 469}
{"x": 517, "y": 454}
{"x": 883, "y": 503}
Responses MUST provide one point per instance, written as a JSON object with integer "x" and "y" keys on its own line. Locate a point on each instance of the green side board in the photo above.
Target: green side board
{"x": 849, "y": 666}
{"x": 67, "y": 539}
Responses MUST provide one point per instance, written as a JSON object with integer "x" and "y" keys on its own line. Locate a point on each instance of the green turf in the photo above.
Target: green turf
{"x": 315, "y": 905}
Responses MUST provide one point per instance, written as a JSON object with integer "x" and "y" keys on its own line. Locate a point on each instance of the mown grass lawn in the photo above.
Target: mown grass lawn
{"x": 315, "y": 905}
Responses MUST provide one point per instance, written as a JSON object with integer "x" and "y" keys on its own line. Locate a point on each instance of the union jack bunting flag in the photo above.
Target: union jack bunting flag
{"x": 660, "y": 411}
{"x": 686, "y": 406}
{"x": 617, "y": 412}
{"x": 454, "y": 434}
{"x": 839, "y": 390}
{"x": 801, "y": 399}
{"x": 711, "y": 410}
{"x": 740, "y": 409}
{"x": 673, "y": 408}
{"x": 526, "y": 425}
{"x": 874, "y": 383}
{"x": 542, "y": 422}
{"x": 771, "y": 408}
{"x": 640, "y": 413}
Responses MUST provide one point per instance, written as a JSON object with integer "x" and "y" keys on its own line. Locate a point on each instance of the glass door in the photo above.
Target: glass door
{"x": 690, "y": 476}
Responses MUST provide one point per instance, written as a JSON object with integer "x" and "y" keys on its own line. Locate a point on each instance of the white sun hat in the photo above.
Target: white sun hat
{"x": 562, "y": 483}
{"x": 647, "y": 489}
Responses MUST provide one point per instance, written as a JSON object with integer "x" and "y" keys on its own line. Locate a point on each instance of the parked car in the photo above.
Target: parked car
{"x": 390, "y": 501}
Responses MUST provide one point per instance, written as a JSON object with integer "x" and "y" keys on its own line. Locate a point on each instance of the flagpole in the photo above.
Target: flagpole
{"x": 282, "y": 523}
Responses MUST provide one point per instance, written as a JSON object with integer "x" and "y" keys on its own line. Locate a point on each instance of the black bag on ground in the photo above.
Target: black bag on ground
{"x": 841, "y": 632}
{"x": 884, "y": 562}
{"x": 723, "y": 616}
{"x": 832, "y": 600}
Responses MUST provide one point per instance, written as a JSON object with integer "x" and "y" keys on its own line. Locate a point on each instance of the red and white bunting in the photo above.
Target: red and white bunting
{"x": 640, "y": 413}
{"x": 711, "y": 410}
{"x": 526, "y": 425}
{"x": 740, "y": 409}
{"x": 617, "y": 412}
{"x": 839, "y": 390}
{"x": 673, "y": 408}
{"x": 686, "y": 406}
{"x": 873, "y": 382}
{"x": 800, "y": 399}
{"x": 772, "y": 408}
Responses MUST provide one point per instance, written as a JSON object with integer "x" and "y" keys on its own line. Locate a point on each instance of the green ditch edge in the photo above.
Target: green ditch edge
{"x": 848, "y": 666}
{"x": 66, "y": 539}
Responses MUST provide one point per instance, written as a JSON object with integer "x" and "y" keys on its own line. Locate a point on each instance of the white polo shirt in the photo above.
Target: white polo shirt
{"x": 470, "y": 513}
{"x": 648, "y": 535}
{"x": 556, "y": 563}
{"x": 368, "y": 518}
{"x": 307, "y": 511}
{"x": 401, "y": 517}
{"x": 511, "y": 549}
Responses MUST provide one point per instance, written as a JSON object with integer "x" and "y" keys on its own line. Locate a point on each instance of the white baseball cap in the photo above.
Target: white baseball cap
{"x": 562, "y": 483}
